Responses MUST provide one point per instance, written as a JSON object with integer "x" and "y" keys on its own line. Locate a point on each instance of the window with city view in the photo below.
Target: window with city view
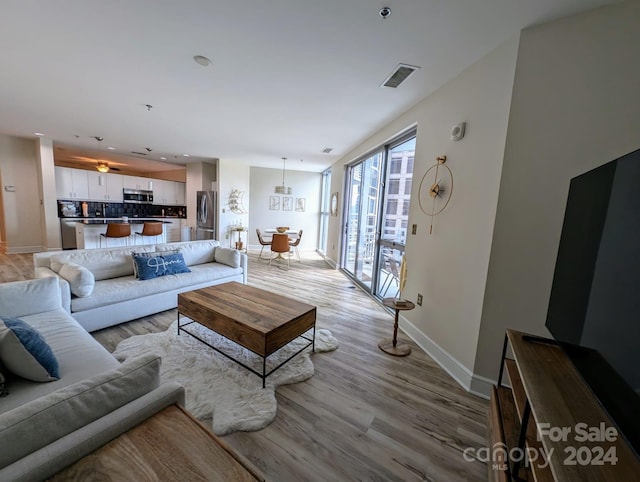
{"x": 378, "y": 195}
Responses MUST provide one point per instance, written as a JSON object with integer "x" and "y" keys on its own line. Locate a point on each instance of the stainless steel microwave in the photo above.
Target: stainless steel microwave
{"x": 137, "y": 196}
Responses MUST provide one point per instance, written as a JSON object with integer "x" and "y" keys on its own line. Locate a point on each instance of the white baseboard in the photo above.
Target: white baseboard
{"x": 331, "y": 262}
{"x": 472, "y": 383}
{"x": 25, "y": 249}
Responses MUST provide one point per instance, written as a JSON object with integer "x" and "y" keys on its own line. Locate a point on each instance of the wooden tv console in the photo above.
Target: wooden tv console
{"x": 547, "y": 393}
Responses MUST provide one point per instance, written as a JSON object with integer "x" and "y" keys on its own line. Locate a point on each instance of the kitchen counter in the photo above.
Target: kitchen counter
{"x": 130, "y": 219}
{"x": 88, "y": 231}
{"x": 120, "y": 220}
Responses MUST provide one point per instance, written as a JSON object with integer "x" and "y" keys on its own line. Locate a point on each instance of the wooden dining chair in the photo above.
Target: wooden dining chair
{"x": 294, "y": 244}
{"x": 279, "y": 245}
{"x": 263, "y": 242}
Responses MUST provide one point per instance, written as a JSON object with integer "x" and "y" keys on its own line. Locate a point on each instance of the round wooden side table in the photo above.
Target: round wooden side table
{"x": 391, "y": 346}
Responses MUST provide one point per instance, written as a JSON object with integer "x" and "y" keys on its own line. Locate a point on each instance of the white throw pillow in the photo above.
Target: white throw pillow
{"x": 228, "y": 256}
{"x": 80, "y": 279}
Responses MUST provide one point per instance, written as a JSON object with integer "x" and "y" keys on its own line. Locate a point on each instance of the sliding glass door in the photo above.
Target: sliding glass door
{"x": 361, "y": 227}
{"x": 324, "y": 212}
{"x": 378, "y": 193}
{"x": 395, "y": 217}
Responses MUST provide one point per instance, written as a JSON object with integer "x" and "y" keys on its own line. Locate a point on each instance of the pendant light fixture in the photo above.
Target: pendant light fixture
{"x": 283, "y": 189}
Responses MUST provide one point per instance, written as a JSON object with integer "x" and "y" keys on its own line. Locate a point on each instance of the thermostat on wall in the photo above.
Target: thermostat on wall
{"x": 457, "y": 131}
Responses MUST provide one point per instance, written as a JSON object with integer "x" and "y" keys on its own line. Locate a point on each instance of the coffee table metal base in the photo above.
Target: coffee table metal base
{"x": 264, "y": 374}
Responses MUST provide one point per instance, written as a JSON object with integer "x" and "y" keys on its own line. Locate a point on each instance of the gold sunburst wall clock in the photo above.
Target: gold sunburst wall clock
{"x": 435, "y": 190}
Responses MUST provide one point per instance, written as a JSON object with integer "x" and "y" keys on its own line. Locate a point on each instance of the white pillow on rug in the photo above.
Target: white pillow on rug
{"x": 80, "y": 279}
{"x": 228, "y": 256}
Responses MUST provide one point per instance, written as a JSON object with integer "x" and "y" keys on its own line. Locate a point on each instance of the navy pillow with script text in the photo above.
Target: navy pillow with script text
{"x": 150, "y": 268}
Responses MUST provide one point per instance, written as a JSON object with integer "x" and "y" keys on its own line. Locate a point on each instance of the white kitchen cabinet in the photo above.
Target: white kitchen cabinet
{"x": 181, "y": 197}
{"x": 162, "y": 192}
{"x": 169, "y": 193}
{"x": 136, "y": 182}
{"x": 105, "y": 187}
{"x": 71, "y": 183}
{"x": 114, "y": 188}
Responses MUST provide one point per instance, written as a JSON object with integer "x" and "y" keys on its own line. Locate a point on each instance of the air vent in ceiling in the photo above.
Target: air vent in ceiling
{"x": 398, "y": 76}
{"x": 139, "y": 153}
{"x": 327, "y": 150}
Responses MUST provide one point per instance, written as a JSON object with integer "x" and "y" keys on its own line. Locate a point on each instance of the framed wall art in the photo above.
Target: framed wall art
{"x": 300, "y": 204}
{"x": 287, "y": 203}
{"x": 274, "y": 203}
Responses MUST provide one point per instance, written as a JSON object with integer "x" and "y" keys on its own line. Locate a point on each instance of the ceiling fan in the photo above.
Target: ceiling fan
{"x": 102, "y": 166}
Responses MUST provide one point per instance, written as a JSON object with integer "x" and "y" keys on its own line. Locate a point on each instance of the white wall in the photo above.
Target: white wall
{"x": 449, "y": 267}
{"x": 232, "y": 175}
{"x": 574, "y": 107}
{"x": 51, "y": 235}
{"x": 305, "y": 185}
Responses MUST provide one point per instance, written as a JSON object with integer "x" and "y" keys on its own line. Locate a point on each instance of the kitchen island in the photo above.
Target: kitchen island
{"x": 88, "y": 232}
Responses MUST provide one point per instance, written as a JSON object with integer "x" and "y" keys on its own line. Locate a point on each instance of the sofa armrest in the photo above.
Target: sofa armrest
{"x": 54, "y": 457}
{"x": 244, "y": 264}
{"x": 65, "y": 288}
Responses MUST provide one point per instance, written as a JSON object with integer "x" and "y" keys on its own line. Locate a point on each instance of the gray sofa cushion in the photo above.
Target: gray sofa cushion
{"x": 35, "y": 424}
{"x": 28, "y": 297}
{"x": 194, "y": 252}
{"x": 103, "y": 263}
{"x": 111, "y": 291}
{"x": 79, "y": 356}
{"x": 3, "y": 387}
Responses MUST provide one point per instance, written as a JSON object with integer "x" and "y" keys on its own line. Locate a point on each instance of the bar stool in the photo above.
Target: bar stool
{"x": 152, "y": 228}
{"x": 116, "y": 230}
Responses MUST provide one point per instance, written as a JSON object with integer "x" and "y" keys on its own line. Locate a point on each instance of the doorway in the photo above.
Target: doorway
{"x": 378, "y": 196}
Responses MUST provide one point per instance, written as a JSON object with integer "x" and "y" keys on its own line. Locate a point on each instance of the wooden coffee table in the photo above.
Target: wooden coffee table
{"x": 170, "y": 445}
{"x": 256, "y": 319}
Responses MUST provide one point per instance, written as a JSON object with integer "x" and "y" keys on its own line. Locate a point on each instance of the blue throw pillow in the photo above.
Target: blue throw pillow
{"x": 153, "y": 267}
{"x": 24, "y": 352}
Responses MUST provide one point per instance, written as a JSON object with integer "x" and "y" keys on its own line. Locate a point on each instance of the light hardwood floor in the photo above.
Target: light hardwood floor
{"x": 364, "y": 415}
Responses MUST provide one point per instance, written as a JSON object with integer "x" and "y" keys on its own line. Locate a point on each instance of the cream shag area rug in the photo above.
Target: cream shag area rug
{"x": 218, "y": 388}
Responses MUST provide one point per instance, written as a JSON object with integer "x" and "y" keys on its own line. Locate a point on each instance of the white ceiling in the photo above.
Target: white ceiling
{"x": 289, "y": 77}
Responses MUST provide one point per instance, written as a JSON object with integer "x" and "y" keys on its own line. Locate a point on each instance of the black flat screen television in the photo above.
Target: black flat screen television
{"x": 594, "y": 308}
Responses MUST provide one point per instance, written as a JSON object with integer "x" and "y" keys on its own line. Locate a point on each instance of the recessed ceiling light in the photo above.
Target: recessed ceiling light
{"x": 111, "y": 148}
{"x": 39, "y": 134}
{"x": 185, "y": 155}
{"x": 202, "y": 60}
{"x": 163, "y": 158}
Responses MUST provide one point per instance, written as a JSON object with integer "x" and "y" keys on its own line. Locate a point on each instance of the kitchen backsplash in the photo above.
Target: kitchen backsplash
{"x": 114, "y": 210}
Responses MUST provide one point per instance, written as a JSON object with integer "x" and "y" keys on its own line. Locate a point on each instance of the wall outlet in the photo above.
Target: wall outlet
{"x": 414, "y": 228}
{"x": 419, "y": 300}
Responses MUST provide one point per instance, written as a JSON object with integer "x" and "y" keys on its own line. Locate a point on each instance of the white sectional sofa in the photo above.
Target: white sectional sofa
{"x": 116, "y": 295}
{"x": 46, "y": 426}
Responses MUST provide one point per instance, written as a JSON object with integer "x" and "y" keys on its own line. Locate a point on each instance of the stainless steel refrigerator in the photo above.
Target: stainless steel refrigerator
{"x": 206, "y": 218}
